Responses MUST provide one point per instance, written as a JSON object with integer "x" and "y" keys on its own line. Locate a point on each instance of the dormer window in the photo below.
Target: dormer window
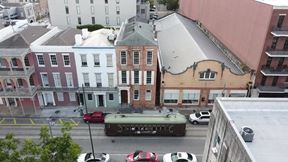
{"x": 208, "y": 75}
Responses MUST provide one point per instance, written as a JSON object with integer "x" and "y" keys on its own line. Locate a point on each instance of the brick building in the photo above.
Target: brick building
{"x": 251, "y": 33}
{"x": 193, "y": 70}
{"x": 136, "y": 60}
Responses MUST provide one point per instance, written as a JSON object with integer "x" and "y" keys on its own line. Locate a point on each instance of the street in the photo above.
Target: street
{"x": 118, "y": 147}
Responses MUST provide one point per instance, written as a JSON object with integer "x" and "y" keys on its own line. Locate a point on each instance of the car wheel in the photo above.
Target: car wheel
{"x": 195, "y": 122}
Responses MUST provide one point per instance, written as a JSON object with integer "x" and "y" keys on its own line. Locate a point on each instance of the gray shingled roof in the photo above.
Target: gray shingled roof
{"x": 24, "y": 38}
{"x": 64, "y": 38}
{"x": 136, "y": 33}
{"x": 182, "y": 44}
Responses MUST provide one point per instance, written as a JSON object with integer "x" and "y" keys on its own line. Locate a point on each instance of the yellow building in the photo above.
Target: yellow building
{"x": 193, "y": 70}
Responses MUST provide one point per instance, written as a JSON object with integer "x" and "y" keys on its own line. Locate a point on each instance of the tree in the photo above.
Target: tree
{"x": 8, "y": 149}
{"x": 172, "y": 5}
{"x": 49, "y": 149}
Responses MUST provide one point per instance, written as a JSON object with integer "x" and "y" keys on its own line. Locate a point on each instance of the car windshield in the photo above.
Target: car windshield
{"x": 190, "y": 157}
{"x": 197, "y": 115}
{"x": 88, "y": 155}
{"x": 174, "y": 157}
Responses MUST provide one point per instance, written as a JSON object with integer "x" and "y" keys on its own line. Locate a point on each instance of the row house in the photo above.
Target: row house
{"x": 193, "y": 70}
{"x": 18, "y": 78}
{"x": 136, "y": 59}
{"x": 254, "y": 34}
{"x": 56, "y": 68}
{"x": 95, "y": 62}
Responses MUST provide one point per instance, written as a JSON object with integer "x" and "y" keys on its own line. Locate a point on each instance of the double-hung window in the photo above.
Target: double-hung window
{"x": 149, "y": 57}
{"x": 149, "y": 77}
{"x": 96, "y": 60}
{"x": 136, "y": 57}
{"x": 136, "y": 77}
{"x": 136, "y": 94}
{"x": 40, "y": 60}
{"x": 208, "y": 75}
{"x": 124, "y": 77}
{"x": 84, "y": 60}
{"x": 98, "y": 79}
{"x": 86, "y": 79}
{"x": 123, "y": 59}
{"x": 66, "y": 59}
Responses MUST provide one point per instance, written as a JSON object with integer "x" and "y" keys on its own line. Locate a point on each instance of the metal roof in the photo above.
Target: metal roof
{"x": 146, "y": 118}
{"x": 268, "y": 117}
{"x": 135, "y": 32}
{"x": 25, "y": 37}
{"x": 182, "y": 44}
{"x": 64, "y": 38}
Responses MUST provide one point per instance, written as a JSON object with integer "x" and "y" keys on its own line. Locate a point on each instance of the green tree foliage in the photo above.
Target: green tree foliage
{"x": 170, "y": 4}
{"x": 91, "y": 27}
{"x": 49, "y": 149}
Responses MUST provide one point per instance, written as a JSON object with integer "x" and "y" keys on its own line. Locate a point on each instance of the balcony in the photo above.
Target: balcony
{"x": 59, "y": 89}
{"x": 276, "y": 53}
{"x": 269, "y": 71}
{"x": 19, "y": 92}
{"x": 280, "y": 32}
{"x": 17, "y": 72}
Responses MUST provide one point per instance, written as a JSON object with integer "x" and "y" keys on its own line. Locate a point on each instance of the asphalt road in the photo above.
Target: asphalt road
{"x": 193, "y": 142}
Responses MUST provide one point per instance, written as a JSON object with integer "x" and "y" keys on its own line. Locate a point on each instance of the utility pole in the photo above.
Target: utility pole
{"x": 84, "y": 98}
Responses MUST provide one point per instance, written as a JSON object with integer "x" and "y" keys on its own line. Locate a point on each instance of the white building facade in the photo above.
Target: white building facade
{"x": 96, "y": 69}
{"x": 72, "y": 13}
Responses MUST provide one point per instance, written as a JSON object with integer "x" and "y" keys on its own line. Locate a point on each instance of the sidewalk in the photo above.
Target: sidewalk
{"x": 74, "y": 111}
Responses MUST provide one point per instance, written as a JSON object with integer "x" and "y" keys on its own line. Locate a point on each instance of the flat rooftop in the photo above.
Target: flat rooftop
{"x": 277, "y": 3}
{"x": 98, "y": 38}
{"x": 182, "y": 44}
{"x": 268, "y": 117}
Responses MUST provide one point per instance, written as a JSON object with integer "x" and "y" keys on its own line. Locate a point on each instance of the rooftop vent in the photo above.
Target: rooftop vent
{"x": 247, "y": 134}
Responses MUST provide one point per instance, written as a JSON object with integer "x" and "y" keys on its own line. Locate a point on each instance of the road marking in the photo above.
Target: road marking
{"x": 2, "y": 120}
{"x": 32, "y": 122}
{"x": 160, "y": 154}
{"x": 61, "y": 122}
{"x": 74, "y": 122}
{"x": 14, "y": 121}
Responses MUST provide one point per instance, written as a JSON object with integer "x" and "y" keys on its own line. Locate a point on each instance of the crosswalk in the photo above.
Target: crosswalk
{"x": 35, "y": 121}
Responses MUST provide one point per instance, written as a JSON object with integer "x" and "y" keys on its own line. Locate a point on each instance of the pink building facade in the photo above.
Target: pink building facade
{"x": 252, "y": 33}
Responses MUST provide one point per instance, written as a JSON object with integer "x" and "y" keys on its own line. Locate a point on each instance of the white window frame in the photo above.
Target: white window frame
{"x": 67, "y": 80}
{"x": 96, "y": 57}
{"x": 125, "y": 77}
{"x": 63, "y": 57}
{"x": 92, "y": 10}
{"x": 151, "y": 57}
{"x": 53, "y": 54}
{"x": 106, "y": 10}
{"x": 78, "y": 10}
{"x": 107, "y": 20}
{"x": 209, "y": 77}
{"x": 125, "y": 58}
{"x": 83, "y": 55}
{"x": 117, "y": 10}
{"x": 191, "y": 96}
{"x": 68, "y": 20}
{"x": 170, "y": 94}
{"x": 57, "y": 74}
{"x": 110, "y": 81}
{"x": 40, "y": 54}
{"x": 109, "y": 62}
{"x": 138, "y": 58}
{"x": 212, "y": 93}
{"x": 118, "y": 20}
{"x": 41, "y": 74}
{"x": 98, "y": 79}
{"x": 86, "y": 79}
{"x": 72, "y": 97}
{"x": 134, "y": 77}
{"x": 60, "y": 96}
{"x": 148, "y": 97}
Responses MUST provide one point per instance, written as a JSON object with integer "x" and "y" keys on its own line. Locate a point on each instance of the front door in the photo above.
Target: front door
{"x": 124, "y": 97}
{"x": 100, "y": 100}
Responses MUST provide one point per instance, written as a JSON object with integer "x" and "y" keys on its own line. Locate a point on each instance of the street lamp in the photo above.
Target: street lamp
{"x": 51, "y": 122}
{"x": 83, "y": 89}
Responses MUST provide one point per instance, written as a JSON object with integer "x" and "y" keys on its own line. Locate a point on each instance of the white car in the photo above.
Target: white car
{"x": 88, "y": 157}
{"x": 200, "y": 117}
{"x": 179, "y": 157}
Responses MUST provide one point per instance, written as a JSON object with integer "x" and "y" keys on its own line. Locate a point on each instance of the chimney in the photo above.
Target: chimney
{"x": 85, "y": 33}
{"x": 78, "y": 39}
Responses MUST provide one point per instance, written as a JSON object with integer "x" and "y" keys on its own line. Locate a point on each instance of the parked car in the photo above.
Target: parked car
{"x": 179, "y": 157}
{"x": 88, "y": 157}
{"x": 95, "y": 117}
{"x": 138, "y": 156}
{"x": 200, "y": 117}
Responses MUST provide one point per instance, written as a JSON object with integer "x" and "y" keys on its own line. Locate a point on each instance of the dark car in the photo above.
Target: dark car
{"x": 138, "y": 156}
{"x": 95, "y": 117}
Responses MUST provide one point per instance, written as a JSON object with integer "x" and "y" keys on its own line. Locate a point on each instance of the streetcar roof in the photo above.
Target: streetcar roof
{"x": 146, "y": 118}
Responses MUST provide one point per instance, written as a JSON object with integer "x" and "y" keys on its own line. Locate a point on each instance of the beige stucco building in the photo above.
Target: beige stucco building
{"x": 193, "y": 70}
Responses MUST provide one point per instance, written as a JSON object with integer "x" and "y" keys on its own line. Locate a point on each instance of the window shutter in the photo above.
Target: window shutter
{"x": 132, "y": 77}
{"x": 145, "y": 77}
{"x": 140, "y": 77}
{"x": 152, "y": 77}
{"x": 128, "y": 77}
{"x": 119, "y": 77}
